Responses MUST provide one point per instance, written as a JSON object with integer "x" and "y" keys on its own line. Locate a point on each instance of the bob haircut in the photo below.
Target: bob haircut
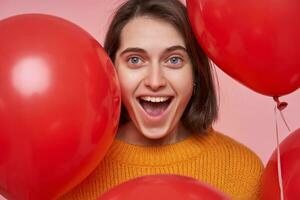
{"x": 202, "y": 108}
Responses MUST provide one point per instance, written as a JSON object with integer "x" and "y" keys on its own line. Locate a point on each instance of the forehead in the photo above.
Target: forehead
{"x": 148, "y": 33}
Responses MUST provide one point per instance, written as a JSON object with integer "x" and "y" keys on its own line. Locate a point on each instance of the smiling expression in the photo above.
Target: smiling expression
{"x": 155, "y": 74}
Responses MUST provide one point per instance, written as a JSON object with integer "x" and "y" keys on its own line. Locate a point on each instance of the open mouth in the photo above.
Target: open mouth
{"x": 155, "y": 106}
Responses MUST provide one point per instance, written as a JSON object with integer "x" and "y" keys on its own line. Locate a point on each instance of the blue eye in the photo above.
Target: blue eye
{"x": 134, "y": 60}
{"x": 175, "y": 60}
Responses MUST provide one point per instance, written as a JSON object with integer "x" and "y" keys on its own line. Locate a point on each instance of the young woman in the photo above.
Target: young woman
{"x": 169, "y": 105}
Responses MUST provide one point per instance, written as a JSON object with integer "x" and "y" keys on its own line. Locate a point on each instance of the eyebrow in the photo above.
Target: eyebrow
{"x": 176, "y": 47}
{"x": 140, "y": 50}
{"x": 133, "y": 49}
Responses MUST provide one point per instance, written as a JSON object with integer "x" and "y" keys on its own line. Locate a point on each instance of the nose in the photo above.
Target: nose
{"x": 155, "y": 78}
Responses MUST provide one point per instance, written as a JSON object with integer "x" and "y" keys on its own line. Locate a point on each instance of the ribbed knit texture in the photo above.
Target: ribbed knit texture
{"x": 212, "y": 158}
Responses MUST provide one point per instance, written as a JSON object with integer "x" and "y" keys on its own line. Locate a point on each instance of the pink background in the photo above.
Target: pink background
{"x": 244, "y": 115}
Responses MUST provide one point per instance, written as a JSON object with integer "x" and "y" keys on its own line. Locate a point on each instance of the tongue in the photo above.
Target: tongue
{"x": 154, "y": 109}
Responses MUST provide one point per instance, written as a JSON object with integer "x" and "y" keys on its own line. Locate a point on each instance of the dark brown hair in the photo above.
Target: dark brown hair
{"x": 202, "y": 109}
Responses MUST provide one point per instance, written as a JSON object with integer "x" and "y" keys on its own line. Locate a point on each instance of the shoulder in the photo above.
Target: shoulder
{"x": 242, "y": 166}
{"x": 233, "y": 155}
{"x": 230, "y": 147}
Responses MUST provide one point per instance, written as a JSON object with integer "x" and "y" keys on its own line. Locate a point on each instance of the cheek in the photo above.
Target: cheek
{"x": 128, "y": 82}
{"x": 182, "y": 81}
{"x": 186, "y": 91}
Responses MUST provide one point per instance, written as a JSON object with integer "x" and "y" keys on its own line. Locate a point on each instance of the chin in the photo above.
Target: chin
{"x": 155, "y": 133}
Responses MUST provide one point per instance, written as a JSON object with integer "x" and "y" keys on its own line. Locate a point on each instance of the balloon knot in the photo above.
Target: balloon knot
{"x": 280, "y": 105}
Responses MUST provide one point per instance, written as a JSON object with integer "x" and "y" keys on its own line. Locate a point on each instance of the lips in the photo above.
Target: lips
{"x": 155, "y": 106}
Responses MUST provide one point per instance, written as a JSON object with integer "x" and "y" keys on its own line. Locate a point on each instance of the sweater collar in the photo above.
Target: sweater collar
{"x": 188, "y": 148}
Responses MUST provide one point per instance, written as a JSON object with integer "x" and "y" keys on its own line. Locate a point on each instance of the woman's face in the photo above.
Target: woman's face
{"x": 155, "y": 74}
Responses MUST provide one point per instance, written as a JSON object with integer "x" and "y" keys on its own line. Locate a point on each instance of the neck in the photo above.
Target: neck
{"x": 130, "y": 134}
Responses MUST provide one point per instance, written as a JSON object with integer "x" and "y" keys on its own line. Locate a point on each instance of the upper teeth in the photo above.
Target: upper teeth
{"x": 155, "y": 99}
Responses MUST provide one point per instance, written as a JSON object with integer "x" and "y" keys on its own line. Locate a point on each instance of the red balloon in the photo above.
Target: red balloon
{"x": 255, "y": 42}
{"x": 290, "y": 166}
{"x": 59, "y": 106}
{"x": 163, "y": 187}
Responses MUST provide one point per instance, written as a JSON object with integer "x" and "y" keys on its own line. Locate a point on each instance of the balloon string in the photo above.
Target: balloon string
{"x": 283, "y": 118}
{"x": 278, "y": 158}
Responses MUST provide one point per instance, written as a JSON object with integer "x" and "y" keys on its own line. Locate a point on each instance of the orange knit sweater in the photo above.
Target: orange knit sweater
{"x": 213, "y": 158}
